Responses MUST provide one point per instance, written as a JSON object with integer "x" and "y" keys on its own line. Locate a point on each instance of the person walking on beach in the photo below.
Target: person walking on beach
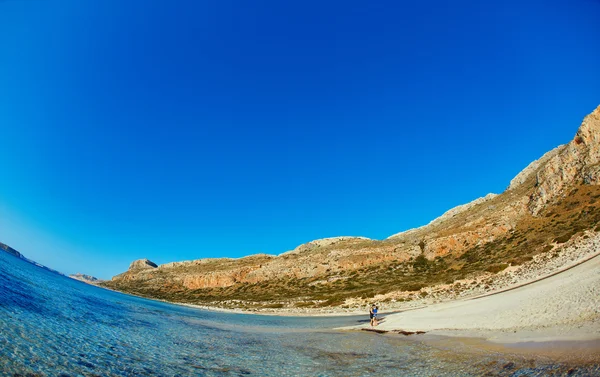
{"x": 373, "y": 315}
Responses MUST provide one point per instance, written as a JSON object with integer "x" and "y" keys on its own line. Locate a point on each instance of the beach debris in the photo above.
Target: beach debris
{"x": 376, "y": 331}
{"x": 407, "y": 333}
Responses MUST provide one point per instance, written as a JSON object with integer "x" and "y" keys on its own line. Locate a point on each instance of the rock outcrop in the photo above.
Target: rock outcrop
{"x": 576, "y": 163}
{"x": 533, "y": 167}
{"x": 142, "y": 264}
{"x": 323, "y": 242}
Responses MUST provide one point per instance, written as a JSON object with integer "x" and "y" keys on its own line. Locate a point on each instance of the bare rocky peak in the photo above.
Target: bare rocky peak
{"x": 576, "y": 163}
{"x": 142, "y": 264}
{"x": 556, "y": 172}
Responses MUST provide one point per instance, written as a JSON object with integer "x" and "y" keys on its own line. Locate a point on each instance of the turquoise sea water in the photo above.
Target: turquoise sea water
{"x": 51, "y": 325}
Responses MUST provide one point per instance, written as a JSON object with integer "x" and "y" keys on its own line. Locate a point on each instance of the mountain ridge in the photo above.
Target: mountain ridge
{"x": 538, "y": 206}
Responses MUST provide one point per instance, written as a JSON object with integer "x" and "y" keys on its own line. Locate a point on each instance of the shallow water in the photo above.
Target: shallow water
{"x": 51, "y": 325}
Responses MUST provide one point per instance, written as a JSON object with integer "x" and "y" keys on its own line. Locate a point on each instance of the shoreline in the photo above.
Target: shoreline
{"x": 565, "y": 351}
{"x": 542, "y": 302}
{"x": 575, "y": 350}
{"x": 363, "y": 313}
{"x": 561, "y": 307}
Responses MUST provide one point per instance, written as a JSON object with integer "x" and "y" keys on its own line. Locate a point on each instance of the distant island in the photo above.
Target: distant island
{"x": 86, "y": 278}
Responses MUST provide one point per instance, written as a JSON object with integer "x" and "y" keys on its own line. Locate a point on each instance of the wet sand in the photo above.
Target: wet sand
{"x": 574, "y": 352}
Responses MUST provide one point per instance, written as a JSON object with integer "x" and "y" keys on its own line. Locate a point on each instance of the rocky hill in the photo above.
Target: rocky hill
{"x": 552, "y": 201}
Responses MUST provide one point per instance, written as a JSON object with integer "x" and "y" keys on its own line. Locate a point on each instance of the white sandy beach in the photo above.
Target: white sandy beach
{"x": 564, "y": 306}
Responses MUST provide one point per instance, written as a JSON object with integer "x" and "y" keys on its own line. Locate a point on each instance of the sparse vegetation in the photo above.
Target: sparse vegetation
{"x": 421, "y": 263}
{"x": 495, "y": 268}
{"x": 564, "y": 238}
{"x": 547, "y": 248}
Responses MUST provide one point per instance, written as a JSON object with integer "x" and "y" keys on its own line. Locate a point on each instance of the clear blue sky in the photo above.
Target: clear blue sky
{"x": 177, "y": 130}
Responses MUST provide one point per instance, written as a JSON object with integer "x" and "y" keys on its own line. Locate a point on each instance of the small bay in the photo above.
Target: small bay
{"x": 51, "y": 325}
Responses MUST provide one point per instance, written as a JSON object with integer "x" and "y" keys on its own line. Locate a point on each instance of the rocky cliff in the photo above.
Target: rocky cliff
{"x": 574, "y": 164}
{"x": 552, "y": 200}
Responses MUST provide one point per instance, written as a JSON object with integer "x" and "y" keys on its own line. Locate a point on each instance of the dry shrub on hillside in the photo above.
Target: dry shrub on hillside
{"x": 495, "y": 268}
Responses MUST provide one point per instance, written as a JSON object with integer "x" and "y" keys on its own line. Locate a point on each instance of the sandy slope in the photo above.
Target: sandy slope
{"x": 565, "y": 306}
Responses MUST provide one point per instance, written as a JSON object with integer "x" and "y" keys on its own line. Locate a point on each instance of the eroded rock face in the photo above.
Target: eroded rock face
{"x": 576, "y": 163}
{"x": 533, "y": 167}
{"x": 220, "y": 278}
{"x": 459, "y": 242}
{"x": 142, "y": 264}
